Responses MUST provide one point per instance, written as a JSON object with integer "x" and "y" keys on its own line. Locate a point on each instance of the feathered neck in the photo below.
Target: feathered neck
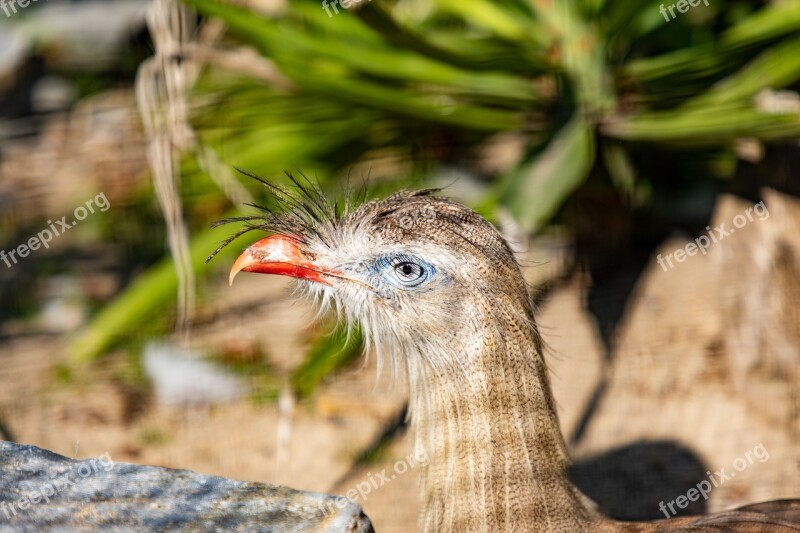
{"x": 485, "y": 416}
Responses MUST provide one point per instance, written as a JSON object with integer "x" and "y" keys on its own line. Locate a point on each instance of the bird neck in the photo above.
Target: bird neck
{"x": 484, "y": 415}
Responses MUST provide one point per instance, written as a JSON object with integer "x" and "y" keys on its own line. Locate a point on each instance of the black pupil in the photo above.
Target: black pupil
{"x": 409, "y": 270}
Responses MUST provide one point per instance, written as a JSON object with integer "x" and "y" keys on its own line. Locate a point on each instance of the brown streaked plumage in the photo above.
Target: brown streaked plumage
{"x": 437, "y": 290}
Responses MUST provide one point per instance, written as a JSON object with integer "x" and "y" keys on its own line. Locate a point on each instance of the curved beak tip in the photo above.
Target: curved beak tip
{"x": 240, "y": 264}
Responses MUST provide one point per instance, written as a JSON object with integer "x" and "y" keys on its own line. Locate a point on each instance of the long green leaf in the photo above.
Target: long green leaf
{"x": 492, "y": 16}
{"x": 581, "y": 52}
{"x": 771, "y": 22}
{"x": 439, "y": 47}
{"x": 148, "y": 294}
{"x": 709, "y": 127}
{"x": 622, "y": 16}
{"x": 778, "y": 67}
{"x": 540, "y": 187}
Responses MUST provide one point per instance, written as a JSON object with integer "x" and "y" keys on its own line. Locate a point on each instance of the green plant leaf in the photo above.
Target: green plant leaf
{"x": 327, "y": 354}
{"x": 708, "y": 59}
{"x": 620, "y": 168}
{"x": 539, "y": 188}
{"x": 708, "y": 126}
{"x": 493, "y": 16}
{"x": 775, "y": 68}
{"x": 145, "y": 296}
{"x": 296, "y": 50}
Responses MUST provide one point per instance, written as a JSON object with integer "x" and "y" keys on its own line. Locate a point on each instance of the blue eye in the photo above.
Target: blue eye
{"x": 405, "y": 271}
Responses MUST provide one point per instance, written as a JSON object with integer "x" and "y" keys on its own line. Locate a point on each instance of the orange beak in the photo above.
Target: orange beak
{"x": 280, "y": 255}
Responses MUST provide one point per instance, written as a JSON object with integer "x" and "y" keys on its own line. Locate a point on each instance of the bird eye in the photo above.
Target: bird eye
{"x": 409, "y": 272}
{"x": 404, "y": 271}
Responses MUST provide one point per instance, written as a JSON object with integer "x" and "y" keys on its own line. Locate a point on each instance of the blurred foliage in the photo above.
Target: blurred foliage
{"x": 571, "y": 76}
{"x": 605, "y": 90}
{"x": 140, "y": 301}
{"x": 327, "y": 354}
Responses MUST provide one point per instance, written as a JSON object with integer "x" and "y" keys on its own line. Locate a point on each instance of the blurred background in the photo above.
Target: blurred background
{"x": 598, "y": 135}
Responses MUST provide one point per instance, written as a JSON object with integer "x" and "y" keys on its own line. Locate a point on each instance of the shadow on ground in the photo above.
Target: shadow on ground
{"x": 629, "y": 483}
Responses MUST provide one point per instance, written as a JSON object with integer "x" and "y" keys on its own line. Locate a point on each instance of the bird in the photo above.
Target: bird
{"x": 435, "y": 288}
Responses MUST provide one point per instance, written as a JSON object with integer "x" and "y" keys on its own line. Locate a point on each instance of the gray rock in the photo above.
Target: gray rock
{"x": 43, "y": 491}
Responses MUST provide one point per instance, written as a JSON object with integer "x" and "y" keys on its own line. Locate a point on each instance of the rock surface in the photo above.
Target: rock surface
{"x": 43, "y": 491}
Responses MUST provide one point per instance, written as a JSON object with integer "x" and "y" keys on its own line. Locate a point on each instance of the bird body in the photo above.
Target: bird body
{"x": 436, "y": 289}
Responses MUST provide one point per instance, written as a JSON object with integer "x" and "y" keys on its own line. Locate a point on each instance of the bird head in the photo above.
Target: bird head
{"x": 412, "y": 269}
